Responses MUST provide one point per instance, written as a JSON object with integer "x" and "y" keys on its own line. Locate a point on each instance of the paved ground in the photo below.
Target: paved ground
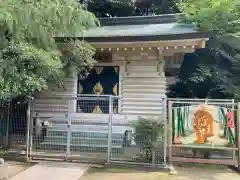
{"x": 184, "y": 173}
{"x": 72, "y": 171}
{"x": 9, "y": 169}
{"x": 52, "y": 171}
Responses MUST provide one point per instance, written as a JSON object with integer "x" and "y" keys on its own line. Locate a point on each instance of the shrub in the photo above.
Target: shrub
{"x": 147, "y": 132}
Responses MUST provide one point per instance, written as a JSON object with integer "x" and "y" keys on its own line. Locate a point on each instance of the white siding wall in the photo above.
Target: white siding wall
{"x": 49, "y": 101}
{"x": 141, "y": 84}
{"x": 140, "y": 87}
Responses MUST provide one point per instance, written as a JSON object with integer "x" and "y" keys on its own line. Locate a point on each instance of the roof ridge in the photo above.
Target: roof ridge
{"x": 138, "y": 20}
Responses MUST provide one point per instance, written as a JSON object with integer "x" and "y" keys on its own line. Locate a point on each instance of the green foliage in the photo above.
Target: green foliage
{"x": 207, "y": 73}
{"x": 211, "y": 72}
{"x": 110, "y": 8}
{"x": 147, "y": 132}
{"x": 30, "y": 56}
{"x": 219, "y": 16}
{"x": 153, "y": 7}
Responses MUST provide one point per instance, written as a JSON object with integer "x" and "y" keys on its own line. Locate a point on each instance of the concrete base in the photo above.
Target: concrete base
{"x": 172, "y": 170}
{"x": 235, "y": 168}
{"x": 1, "y": 161}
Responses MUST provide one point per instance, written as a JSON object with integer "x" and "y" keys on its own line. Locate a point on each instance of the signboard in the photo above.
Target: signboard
{"x": 204, "y": 125}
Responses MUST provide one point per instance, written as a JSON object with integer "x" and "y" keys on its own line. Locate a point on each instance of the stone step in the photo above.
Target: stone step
{"x": 93, "y": 135}
{"x": 88, "y": 128}
{"x": 78, "y": 118}
{"x": 81, "y": 140}
{"x": 51, "y": 144}
{"x": 82, "y": 149}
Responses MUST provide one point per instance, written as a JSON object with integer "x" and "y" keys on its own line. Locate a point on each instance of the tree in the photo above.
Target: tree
{"x": 153, "y": 7}
{"x": 203, "y": 74}
{"x": 215, "y": 70}
{"x": 31, "y": 57}
{"x": 120, "y": 8}
{"x": 219, "y": 16}
{"x": 110, "y": 8}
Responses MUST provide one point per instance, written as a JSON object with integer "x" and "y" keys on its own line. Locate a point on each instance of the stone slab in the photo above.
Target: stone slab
{"x": 10, "y": 168}
{"x": 53, "y": 171}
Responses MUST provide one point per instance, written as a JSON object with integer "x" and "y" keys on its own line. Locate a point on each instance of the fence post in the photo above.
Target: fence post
{"x": 31, "y": 127}
{"x": 170, "y": 135}
{"x": 110, "y": 128}
{"x": 7, "y": 140}
{"x": 69, "y": 124}
{"x": 206, "y": 101}
{"x": 234, "y": 151}
{"x": 28, "y": 128}
{"x": 165, "y": 129}
{"x": 238, "y": 131}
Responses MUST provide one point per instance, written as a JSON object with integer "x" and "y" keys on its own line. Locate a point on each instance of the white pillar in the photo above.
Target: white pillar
{"x": 75, "y": 92}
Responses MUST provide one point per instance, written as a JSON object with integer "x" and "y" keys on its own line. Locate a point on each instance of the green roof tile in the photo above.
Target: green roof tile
{"x": 140, "y": 30}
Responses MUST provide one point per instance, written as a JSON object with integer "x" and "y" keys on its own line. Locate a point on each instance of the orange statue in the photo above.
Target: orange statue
{"x": 203, "y": 125}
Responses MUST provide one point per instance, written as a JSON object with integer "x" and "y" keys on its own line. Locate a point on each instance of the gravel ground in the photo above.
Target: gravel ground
{"x": 185, "y": 172}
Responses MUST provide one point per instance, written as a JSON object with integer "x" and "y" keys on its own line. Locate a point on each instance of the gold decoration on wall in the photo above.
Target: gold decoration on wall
{"x": 80, "y": 89}
{"x": 115, "y": 110}
{"x": 97, "y": 110}
{"x": 115, "y": 89}
{"x": 98, "y": 89}
{"x": 203, "y": 44}
{"x": 116, "y": 69}
{"x": 98, "y": 70}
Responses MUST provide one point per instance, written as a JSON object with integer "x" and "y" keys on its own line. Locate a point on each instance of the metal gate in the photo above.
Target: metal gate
{"x": 57, "y": 130}
{"x": 145, "y": 135}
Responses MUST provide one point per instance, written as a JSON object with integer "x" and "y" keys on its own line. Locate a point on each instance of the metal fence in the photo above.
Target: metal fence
{"x": 13, "y": 127}
{"x": 71, "y": 128}
{"x": 97, "y": 129}
{"x": 203, "y": 131}
{"x": 102, "y": 129}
